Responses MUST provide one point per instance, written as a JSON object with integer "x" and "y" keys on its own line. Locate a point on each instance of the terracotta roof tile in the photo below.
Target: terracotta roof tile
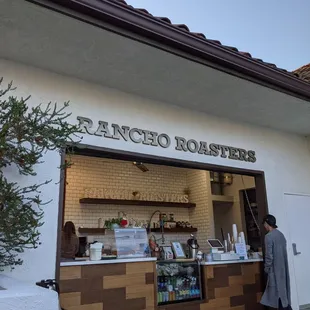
{"x": 199, "y": 34}
{"x": 184, "y": 27}
{"x": 303, "y": 72}
{"x": 230, "y": 47}
{"x": 164, "y": 19}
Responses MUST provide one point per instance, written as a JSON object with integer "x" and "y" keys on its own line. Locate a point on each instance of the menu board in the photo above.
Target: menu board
{"x": 131, "y": 242}
{"x": 241, "y": 250}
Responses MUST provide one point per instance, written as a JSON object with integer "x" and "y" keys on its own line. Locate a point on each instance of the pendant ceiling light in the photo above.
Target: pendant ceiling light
{"x": 140, "y": 166}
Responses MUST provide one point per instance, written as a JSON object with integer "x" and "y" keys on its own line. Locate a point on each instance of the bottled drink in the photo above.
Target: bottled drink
{"x": 198, "y": 292}
{"x": 181, "y": 294}
{"x": 163, "y": 289}
{"x": 170, "y": 296}
{"x": 166, "y": 296}
{"x": 188, "y": 289}
{"x": 160, "y": 290}
{"x": 159, "y": 297}
{"x": 163, "y": 296}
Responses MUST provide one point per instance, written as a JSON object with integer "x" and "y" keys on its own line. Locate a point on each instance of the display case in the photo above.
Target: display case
{"x": 177, "y": 282}
{"x": 131, "y": 242}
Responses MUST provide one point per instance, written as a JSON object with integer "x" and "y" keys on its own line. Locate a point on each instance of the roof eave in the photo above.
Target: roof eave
{"x": 158, "y": 32}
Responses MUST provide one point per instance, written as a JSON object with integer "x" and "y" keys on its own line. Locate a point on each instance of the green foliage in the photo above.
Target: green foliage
{"x": 108, "y": 224}
{"x": 26, "y": 134}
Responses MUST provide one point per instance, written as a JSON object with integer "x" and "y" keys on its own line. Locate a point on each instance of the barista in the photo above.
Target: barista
{"x": 69, "y": 241}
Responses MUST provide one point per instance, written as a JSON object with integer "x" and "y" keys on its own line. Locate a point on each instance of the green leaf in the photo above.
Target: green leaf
{"x": 25, "y": 136}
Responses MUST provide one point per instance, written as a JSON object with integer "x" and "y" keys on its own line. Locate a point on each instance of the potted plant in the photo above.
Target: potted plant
{"x": 113, "y": 223}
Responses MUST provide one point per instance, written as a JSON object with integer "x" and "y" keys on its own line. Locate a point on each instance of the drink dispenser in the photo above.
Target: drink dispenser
{"x": 95, "y": 251}
{"x": 193, "y": 246}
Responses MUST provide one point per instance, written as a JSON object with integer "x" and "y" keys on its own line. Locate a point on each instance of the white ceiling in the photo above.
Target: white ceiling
{"x": 33, "y": 35}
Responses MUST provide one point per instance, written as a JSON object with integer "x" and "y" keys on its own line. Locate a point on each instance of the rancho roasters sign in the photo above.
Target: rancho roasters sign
{"x": 152, "y": 138}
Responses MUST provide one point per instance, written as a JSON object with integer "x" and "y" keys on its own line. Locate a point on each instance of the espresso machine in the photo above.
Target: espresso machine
{"x": 82, "y": 247}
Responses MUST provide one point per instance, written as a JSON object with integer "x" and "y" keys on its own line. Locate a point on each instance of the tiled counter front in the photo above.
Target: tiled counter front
{"x": 229, "y": 287}
{"x": 122, "y": 286}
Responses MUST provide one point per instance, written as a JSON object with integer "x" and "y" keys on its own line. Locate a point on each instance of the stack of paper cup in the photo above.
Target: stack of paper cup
{"x": 225, "y": 246}
{"x": 242, "y": 237}
{"x": 235, "y": 232}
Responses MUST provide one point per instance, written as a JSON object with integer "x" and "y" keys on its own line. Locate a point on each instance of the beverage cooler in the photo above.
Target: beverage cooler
{"x": 177, "y": 282}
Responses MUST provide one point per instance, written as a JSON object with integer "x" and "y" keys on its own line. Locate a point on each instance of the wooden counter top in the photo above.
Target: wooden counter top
{"x": 228, "y": 262}
{"x": 107, "y": 261}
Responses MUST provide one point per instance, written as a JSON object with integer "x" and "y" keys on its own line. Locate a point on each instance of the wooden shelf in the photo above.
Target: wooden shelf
{"x": 101, "y": 231}
{"x": 145, "y": 203}
{"x": 92, "y": 231}
{"x": 175, "y": 230}
{"x": 221, "y": 200}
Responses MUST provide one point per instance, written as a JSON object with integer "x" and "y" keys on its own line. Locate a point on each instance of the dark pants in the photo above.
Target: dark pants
{"x": 282, "y": 308}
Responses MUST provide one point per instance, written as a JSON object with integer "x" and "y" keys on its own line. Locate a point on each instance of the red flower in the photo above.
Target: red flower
{"x": 124, "y": 223}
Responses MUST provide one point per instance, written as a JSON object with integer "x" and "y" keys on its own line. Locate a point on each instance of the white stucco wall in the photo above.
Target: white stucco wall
{"x": 283, "y": 157}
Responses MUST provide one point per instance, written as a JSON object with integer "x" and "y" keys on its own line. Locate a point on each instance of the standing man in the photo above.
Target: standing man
{"x": 277, "y": 293}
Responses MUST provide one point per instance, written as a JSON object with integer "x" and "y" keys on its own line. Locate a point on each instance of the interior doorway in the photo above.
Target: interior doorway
{"x": 298, "y": 214}
{"x": 249, "y": 208}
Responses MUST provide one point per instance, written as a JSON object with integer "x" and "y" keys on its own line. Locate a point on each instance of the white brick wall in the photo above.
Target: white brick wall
{"x": 91, "y": 172}
{"x": 202, "y": 216}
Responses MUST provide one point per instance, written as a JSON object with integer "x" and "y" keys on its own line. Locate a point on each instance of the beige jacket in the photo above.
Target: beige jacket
{"x": 69, "y": 247}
